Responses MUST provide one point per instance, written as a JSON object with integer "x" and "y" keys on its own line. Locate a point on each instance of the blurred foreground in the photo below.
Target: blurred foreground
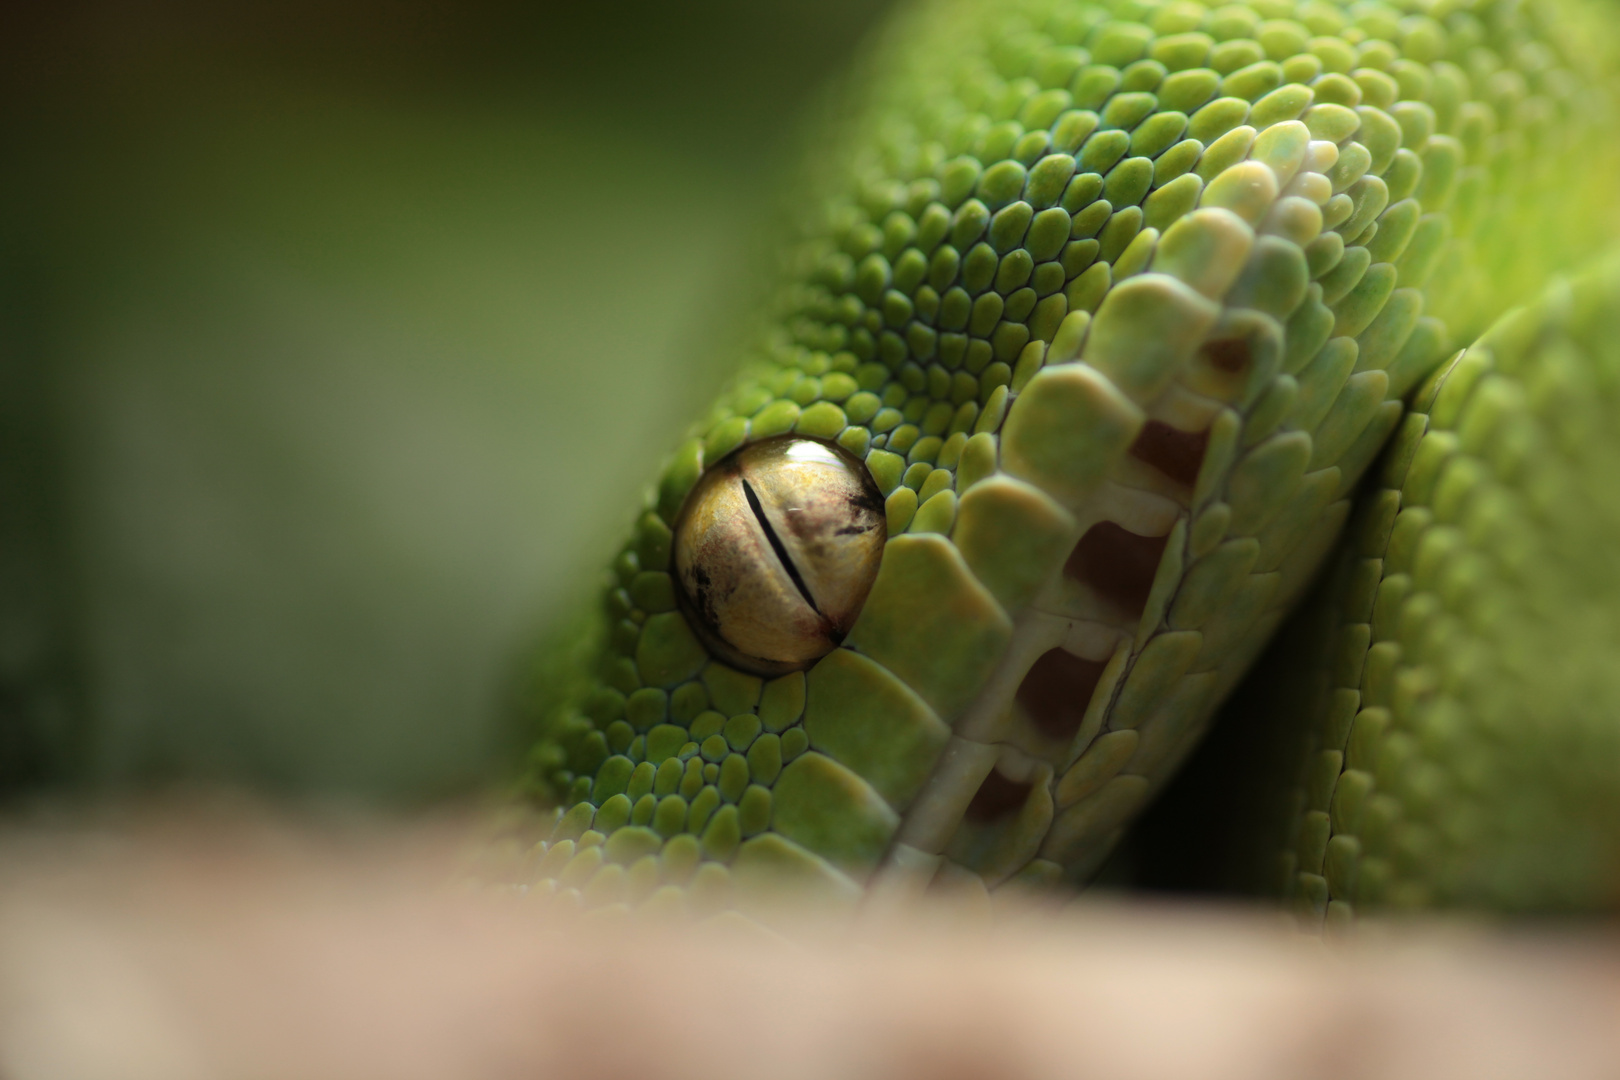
{"x": 207, "y": 939}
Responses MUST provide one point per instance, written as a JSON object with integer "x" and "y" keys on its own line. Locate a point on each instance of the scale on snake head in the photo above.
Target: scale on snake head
{"x": 1096, "y": 316}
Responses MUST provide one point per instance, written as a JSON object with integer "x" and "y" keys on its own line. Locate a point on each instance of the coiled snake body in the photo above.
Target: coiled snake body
{"x": 1106, "y": 326}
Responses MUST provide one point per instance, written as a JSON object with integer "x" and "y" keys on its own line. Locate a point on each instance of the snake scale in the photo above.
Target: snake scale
{"x": 1102, "y": 328}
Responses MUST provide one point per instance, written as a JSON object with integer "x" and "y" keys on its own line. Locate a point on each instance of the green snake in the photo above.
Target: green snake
{"x": 1101, "y": 329}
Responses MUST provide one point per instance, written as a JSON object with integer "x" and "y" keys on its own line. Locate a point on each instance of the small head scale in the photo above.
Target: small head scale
{"x": 775, "y": 550}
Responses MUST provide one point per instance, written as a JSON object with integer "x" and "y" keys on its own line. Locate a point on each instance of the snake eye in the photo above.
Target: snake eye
{"x": 775, "y": 551}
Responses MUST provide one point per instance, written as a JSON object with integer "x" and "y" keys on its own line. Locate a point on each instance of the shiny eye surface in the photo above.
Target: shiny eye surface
{"x": 775, "y": 551}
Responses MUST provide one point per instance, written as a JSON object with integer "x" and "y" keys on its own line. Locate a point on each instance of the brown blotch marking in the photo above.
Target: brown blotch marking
{"x": 1117, "y": 563}
{"x": 1176, "y": 453}
{"x": 867, "y": 500}
{"x": 997, "y": 797}
{"x": 1057, "y": 690}
{"x": 1231, "y": 356}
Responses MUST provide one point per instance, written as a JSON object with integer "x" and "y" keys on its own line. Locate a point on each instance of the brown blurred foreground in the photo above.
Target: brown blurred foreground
{"x": 209, "y": 941}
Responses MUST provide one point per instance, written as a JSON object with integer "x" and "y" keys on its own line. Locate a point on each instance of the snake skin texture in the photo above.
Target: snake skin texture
{"x": 1118, "y": 304}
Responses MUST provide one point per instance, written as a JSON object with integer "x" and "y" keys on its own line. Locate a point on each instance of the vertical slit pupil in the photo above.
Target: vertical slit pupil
{"x": 1057, "y": 691}
{"x": 776, "y": 545}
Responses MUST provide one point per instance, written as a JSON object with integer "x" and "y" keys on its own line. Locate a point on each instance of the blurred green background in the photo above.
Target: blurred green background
{"x": 336, "y": 341}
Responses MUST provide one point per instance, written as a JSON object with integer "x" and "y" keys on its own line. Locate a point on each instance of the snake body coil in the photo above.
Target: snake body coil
{"x": 1116, "y": 304}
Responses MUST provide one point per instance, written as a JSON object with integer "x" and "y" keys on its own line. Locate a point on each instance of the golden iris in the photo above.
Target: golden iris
{"x": 775, "y": 551}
